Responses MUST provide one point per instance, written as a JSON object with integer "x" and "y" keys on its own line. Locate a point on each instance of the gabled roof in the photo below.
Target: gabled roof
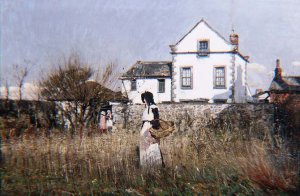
{"x": 202, "y": 21}
{"x": 245, "y": 58}
{"x": 142, "y": 69}
{"x": 105, "y": 93}
{"x": 286, "y": 84}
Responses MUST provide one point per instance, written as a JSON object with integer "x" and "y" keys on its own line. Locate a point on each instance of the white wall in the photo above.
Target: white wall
{"x": 202, "y": 32}
{"x": 150, "y": 85}
{"x": 203, "y": 67}
{"x": 240, "y": 80}
{"x": 203, "y": 76}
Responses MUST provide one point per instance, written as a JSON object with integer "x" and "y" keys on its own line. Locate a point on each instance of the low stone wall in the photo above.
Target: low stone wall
{"x": 193, "y": 116}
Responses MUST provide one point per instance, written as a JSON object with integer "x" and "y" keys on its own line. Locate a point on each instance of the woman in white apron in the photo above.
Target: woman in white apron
{"x": 150, "y": 154}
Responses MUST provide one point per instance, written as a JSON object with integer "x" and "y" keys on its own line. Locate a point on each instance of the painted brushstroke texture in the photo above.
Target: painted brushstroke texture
{"x": 41, "y": 31}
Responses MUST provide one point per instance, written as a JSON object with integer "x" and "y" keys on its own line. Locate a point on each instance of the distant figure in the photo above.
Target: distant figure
{"x": 150, "y": 154}
{"x": 109, "y": 121}
{"x": 103, "y": 122}
{"x": 13, "y": 133}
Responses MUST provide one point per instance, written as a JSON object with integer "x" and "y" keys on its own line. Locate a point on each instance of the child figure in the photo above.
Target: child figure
{"x": 103, "y": 122}
{"x": 109, "y": 121}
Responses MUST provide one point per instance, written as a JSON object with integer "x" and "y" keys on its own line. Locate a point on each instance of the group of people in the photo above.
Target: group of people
{"x": 106, "y": 122}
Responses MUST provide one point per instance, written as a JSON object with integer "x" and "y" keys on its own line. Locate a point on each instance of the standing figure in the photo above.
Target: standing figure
{"x": 109, "y": 121}
{"x": 103, "y": 122}
{"x": 150, "y": 154}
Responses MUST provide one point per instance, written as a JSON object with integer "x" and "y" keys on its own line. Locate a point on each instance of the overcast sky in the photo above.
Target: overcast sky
{"x": 38, "y": 32}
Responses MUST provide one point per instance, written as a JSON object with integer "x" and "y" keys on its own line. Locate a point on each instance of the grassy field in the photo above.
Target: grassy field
{"x": 207, "y": 162}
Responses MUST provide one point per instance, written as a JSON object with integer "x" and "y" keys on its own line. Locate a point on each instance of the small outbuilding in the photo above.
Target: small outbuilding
{"x": 154, "y": 76}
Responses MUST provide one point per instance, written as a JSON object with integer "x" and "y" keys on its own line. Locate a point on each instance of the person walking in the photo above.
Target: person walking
{"x": 150, "y": 153}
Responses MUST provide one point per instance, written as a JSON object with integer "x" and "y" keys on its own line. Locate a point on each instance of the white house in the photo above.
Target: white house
{"x": 144, "y": 76}
{"x": 205, "y": 67}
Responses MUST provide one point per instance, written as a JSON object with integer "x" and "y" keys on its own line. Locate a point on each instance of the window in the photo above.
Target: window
{"x": 161, "y": 85}
{"x": 203, "y": 48}
{"x": 186, "y": 77}
{"x": 203, "y": 45}
{"x": 220, "y": 100}
{"x": 133, "y": 85}
{"x": 219, "y": 77}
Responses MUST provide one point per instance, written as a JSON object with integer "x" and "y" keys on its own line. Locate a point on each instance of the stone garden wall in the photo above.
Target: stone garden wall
{"x": 190, "y": 117}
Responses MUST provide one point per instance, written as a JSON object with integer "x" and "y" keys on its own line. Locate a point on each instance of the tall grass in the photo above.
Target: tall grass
{"x": 203, "y": 162}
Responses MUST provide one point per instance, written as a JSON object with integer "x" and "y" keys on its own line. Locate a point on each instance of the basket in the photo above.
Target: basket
{"x": 165, "y": 129}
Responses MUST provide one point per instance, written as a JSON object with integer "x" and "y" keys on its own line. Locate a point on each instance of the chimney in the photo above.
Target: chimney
{"x": 234, "y": 40}
{"x": 173, "y": 48}
{"x": 278, "y": 70}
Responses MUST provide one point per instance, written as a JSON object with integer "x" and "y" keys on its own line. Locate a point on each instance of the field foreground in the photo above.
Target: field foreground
{"x": 204, "y": 162}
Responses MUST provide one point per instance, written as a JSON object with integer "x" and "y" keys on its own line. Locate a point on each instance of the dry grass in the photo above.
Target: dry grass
{"x": 230, "y": 155}
{"x": 205, "y": 162}
{"x": 46, "y": 164}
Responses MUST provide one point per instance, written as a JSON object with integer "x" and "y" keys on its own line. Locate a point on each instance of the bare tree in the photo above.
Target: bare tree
{"x": 71, "y": 85}
{"x": 20, "y": 73}
{"x": 6, "y": 90}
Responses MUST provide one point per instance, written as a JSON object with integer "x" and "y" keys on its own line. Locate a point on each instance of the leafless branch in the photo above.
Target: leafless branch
{"x": 71, "y": 84}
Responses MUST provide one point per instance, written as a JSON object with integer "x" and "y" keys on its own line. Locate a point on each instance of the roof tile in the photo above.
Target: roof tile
{"x": 149, "y": 69}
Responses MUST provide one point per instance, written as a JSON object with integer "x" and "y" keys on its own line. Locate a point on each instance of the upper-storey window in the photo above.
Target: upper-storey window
{"x": 219, "y": 77}
{"x": 133, "y": 85}
{"x": 203, "y": 47}
{"x": 186, "y": 77}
